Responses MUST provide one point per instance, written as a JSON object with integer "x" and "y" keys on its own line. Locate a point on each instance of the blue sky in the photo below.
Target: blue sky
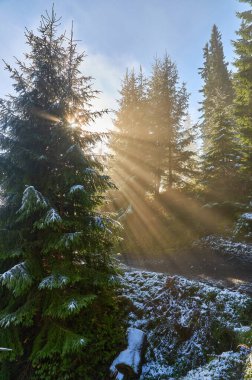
{"x": 121, "y": 33}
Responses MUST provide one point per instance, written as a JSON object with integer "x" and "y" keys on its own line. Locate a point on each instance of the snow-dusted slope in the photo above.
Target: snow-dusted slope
{"x": 188, "y": 323}
{"x": 239, "y": 250}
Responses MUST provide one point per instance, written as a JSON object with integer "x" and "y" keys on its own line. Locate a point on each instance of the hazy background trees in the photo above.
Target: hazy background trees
{"x": 162, "y": 170}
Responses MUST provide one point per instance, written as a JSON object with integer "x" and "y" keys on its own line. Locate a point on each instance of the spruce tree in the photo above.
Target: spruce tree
{"x": 129, "y": 139}
{"x": 243, "y": 93}
{"x": 221, "y": 158}
{"x": 217, "y": 81}
{"x": 57, "y": 313}
{"x": 171, "y": 162}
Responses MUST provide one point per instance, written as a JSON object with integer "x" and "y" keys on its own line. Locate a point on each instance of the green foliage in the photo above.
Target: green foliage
{"x": 55, "y": 339}
{"x": 97, "y": 350}
{"x": 244, "y": 337}
{"x": 243, "y": 228}
{"x": 248, "y": 368}
{"x": 73, "y": 305}
{"x": 22, "y": 315}
{"x": 32, "y": 201}
{"x": 243, "y": 93}
{"x": 56, "y": 246}
{"x": 222, "y": 156}
{"x": 217, "y": 82}
{"x": 17, "y": 279}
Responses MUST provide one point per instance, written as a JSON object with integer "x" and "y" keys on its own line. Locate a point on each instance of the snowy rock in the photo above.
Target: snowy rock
{"x": 129, "y": 361}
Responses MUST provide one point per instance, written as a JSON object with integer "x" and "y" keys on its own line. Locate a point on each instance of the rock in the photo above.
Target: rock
{"x": 128, "y": 364}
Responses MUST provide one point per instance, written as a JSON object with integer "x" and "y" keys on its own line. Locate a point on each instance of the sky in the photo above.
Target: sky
{"x": 116, "y": 34}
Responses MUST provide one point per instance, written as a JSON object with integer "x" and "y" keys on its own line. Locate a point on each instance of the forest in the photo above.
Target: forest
{"x": 127, "y": 253}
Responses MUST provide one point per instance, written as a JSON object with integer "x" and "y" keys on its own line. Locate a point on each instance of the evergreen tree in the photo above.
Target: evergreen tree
{"x": 217, "y": 81}
{"x": 243, "y": 93}
{"x": 129, "y": 140}
{"x": 57, "y": 313}
{"x": 221, "y": 159}
{"x": 171, "y": 162}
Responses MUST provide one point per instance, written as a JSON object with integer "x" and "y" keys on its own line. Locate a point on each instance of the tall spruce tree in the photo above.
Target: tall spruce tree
{"x": 129, "y": 140}
{"x": 217, "y": 81}
{"x": 56, "y": 310}
{"x": 170, "y": 160}
{"x": 243, "y": 93}
{"x": 221, "y": 158}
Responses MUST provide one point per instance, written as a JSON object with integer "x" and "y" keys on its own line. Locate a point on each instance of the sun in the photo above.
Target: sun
{"x": 72, "y": 122}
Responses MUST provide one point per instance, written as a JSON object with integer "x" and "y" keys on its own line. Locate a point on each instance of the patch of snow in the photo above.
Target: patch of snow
{"x": 5, "y": 349}
{"x": 89, "y": 171}
{"x": 18, "y": 270}
{"x": 243, "y": 329}
{"x": 71, "y": 148}
{"x": 242, "y": 251}
{"x": 16, "y": 278}
{"x": 31, "y": 199}
{"x": 99, "y": 221}
{"x": 154, "y": 370}
{"x": 247, "y": 216}
{"x": 68, "y": 238}
{"x": 223, "y": 367}
{"x": 53, "y": 281}
{"x": 119, "y": 376}
{"x": 42, "y": 157}
{"x": 75, "y": 188}
{"x": 132, "y": 356}
{"x": 72, "y": 305}
{"x": 52, "y": 217}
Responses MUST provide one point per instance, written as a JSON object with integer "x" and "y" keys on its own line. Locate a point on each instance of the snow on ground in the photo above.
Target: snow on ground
{"x": 187, "y": 324}
{"x": 223, "y": 367}
{"x": 242, "y": 251}
{"x": 247, "y": 216}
